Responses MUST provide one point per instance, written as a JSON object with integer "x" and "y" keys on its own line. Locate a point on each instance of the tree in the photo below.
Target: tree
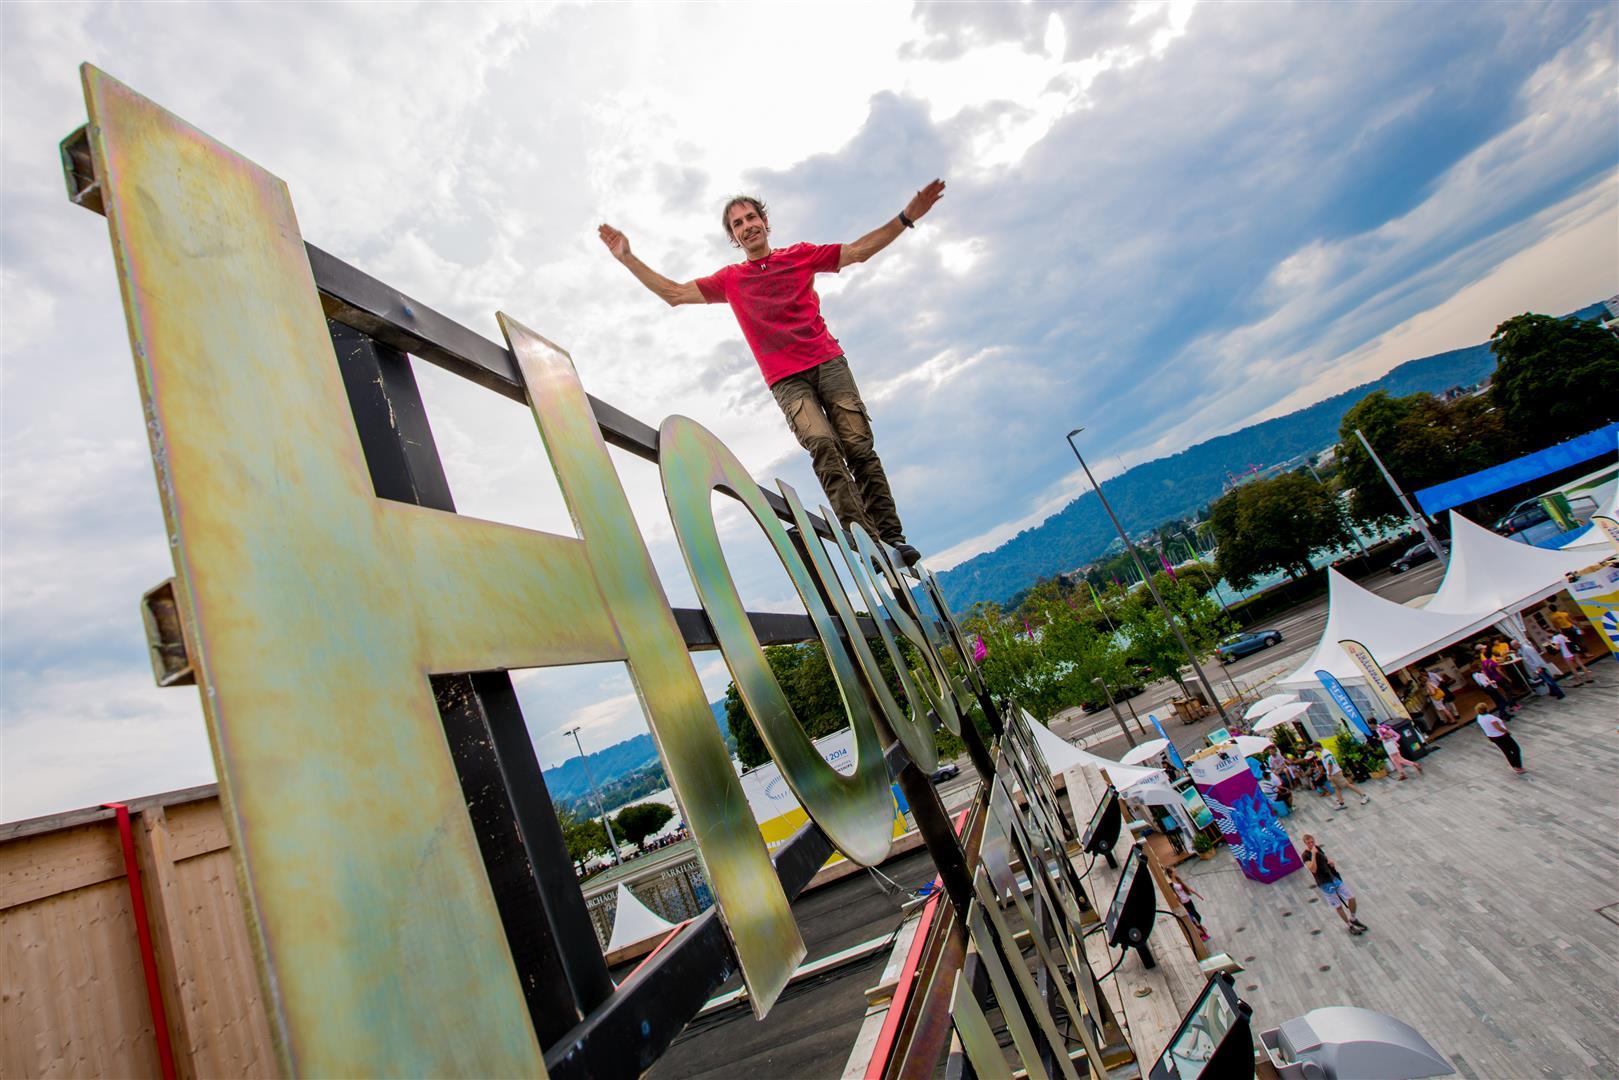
{"x": 583, "y": 837}
{"x": 1152, "y": 641}
{"x": 807, "y": 681}
{"x": 1422, "y": 441}
{"x": 1016, "y": 665}
{"x": 1276, "y": 525}
{"x": 636, "y": 823}
{"x": 1554, "y": 378}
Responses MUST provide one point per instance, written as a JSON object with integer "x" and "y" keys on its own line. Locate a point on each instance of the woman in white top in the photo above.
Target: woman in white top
{"x": 1575, "y": 662}
{"x": 1496, "y": 729}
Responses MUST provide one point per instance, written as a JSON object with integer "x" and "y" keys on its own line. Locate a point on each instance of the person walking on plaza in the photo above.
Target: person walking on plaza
{"x": 1391, "y": 746}
{"x": 772, "y": 294}
{"x": 1184, "y": 893}
{"x": 1571, "y": 656}
{"x": 1338, "y": 779}
{"x": 1340, "y": 897}
{"x": 1441, "y": 696}
{"x": 1490, "y": 684}
{"x": 1496, "y": 729}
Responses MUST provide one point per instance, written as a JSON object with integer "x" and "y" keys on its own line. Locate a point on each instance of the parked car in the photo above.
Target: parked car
{"x": 1417, "y": 553}
{"x": 1526, "y": 514}
{"x": 947, "y": 771}
{"x": 1235, "y": 648}
{"x": 1119, "y": 694}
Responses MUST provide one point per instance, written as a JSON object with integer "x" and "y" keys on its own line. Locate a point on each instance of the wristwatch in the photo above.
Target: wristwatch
{"x": 905, "y": 221}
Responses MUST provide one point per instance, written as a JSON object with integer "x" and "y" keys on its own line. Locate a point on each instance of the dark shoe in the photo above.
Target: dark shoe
{"x": 907, "y": 554}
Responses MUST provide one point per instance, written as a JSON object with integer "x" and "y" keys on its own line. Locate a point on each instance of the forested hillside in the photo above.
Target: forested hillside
{"x": 612, "y": 769}
{"x": 1177, "y": 486}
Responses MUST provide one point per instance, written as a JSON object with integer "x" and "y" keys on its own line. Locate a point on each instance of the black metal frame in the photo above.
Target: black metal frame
{"x": 588, "y": 1027}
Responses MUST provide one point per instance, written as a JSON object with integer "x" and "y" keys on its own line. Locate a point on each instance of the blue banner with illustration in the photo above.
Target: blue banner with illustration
{"x": 1245, "y": 817}
{"x": 1174, "y": 754}
{"x": 1341, "y": 697}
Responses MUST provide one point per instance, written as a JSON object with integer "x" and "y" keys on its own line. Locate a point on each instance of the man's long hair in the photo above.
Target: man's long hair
{"x": 725, "y": 214}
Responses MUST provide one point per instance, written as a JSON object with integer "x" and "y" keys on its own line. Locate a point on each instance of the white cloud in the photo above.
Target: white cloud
{"x": 1158, "y": 225}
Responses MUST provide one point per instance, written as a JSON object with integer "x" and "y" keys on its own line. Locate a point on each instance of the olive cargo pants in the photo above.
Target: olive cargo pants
{"x": 827, "y": 416}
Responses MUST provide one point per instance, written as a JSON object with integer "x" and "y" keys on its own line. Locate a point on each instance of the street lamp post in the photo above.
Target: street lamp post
{"x": 594, "y": 794}
{"x": 1416, "y": 519}
{"x": 1129, "y": 738}
{"x": 1135, "y": 555}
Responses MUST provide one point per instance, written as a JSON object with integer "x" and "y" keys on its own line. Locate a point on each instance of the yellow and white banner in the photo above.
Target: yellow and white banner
{"x": 1608, "y": 527}
{"x": 1376, "y": 679}
{"x": 777, "y": 809}
{"x": 1597, "y": 593}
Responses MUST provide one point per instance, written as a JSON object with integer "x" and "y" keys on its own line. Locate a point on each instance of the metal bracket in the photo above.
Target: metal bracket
{"x": 79, "y": 171}
{"x": 165, "y": 637}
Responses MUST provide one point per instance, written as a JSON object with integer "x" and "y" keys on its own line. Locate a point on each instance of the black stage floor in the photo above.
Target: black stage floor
{"x": 811, "y": 1030}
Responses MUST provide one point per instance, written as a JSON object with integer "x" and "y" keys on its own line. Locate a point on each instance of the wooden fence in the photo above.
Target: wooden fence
{"x": 74, "y": 997}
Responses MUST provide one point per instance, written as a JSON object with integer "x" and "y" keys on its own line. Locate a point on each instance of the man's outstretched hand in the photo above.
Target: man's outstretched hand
{"x": 922, "y": 201}
{"x": 619, "y": 244}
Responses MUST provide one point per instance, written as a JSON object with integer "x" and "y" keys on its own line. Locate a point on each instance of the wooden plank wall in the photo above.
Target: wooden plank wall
{"x": 73, "y": 996}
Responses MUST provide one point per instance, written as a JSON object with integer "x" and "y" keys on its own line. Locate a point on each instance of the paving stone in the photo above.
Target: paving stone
{"x": 1485, "y": 893}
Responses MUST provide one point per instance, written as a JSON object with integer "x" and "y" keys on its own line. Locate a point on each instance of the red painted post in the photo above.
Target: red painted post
{"x": 154, "y": 994}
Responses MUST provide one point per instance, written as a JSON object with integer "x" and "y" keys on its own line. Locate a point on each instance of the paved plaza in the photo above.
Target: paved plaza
{"x": 1493, "y": 899}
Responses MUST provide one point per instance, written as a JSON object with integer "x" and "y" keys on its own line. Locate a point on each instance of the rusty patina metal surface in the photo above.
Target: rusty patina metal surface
{"x": 855, "y": 811}
{"x": 732, "y": 852}
{"x": 315, "y": 613}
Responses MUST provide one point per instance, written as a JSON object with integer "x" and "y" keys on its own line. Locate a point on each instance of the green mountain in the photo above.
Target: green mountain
{"x": 1177, "y": 486}
{"x": 618, "y": 769}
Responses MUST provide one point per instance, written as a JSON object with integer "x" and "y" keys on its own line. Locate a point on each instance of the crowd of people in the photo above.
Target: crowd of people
{"x": 1314, "y": 767}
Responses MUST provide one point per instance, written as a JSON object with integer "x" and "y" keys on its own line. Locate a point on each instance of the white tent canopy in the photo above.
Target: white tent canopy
{"x": 1149, "y": 785}
{"x": 1395, "y": 634}
{"x": 634, "y": 922}
{"x": 1490, "y": 571}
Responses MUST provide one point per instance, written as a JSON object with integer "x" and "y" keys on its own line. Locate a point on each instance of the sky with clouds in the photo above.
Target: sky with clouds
{"x": 1164, "y": 221}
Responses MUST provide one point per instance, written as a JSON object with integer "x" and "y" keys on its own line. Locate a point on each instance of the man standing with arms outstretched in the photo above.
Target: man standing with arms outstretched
{"x": 772, "y": 293}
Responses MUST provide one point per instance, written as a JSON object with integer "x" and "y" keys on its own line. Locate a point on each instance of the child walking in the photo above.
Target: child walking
{"x": 1184, "y": 893}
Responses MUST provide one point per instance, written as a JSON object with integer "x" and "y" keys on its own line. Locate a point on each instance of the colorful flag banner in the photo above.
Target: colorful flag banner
{"x": 1170, "y": 570}
{"x": 980, "y": 650}
{"x": 1376, "y": 678}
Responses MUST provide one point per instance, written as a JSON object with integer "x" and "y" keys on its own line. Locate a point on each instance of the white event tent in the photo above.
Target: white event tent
{"x": 1490, "y": 571}
{"x": 1151, "y": 786}
{"x": 1395, "y": 634}
{"x": 634, "y": 922}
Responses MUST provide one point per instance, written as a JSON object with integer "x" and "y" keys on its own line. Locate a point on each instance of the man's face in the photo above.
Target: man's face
{"x": 749, "y": 228}
{"x": 1309, "y": 841}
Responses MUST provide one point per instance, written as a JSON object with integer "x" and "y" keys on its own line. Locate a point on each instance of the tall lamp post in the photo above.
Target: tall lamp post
{"x": 1135, "y": 555}
{"x": 1410, "y": 511}
{"x": 594, "y": 794}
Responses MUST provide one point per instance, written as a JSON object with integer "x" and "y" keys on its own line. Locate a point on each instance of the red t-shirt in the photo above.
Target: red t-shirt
{"x": 775, "y": 303}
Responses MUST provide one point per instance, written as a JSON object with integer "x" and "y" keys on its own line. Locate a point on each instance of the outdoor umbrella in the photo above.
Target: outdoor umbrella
{"x": 1250, "y": 745}
{"x": 1279, "y": 716}
{"x": 1145, "y": 752}
{"x": 1265, "y": 705}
